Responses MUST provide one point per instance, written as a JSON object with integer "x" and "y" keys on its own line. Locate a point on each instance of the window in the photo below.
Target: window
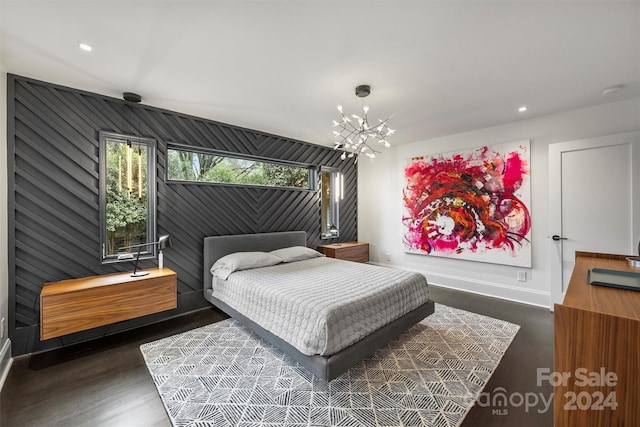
{"x": 127, "y": 195}
{"x": 332, "y": 191}
{"x": 194, "y": 166}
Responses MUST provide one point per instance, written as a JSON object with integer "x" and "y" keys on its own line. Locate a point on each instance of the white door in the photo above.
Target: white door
{"x": 594, "y": 201}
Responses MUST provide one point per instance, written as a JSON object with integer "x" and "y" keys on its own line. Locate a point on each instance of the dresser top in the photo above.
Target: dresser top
{"x": 70, "y": 285}
{"x": 602, "y": 299}
{"x": 343, "y": 245}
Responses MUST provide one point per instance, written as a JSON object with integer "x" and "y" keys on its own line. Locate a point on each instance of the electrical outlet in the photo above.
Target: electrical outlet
{"x": 522, "y": 276}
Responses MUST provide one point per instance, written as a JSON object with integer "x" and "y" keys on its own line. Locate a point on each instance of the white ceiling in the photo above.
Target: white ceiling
{"x": 442, "y": 67}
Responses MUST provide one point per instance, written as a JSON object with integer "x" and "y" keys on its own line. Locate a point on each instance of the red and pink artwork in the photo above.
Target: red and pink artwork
{"x": 470, "y": 205}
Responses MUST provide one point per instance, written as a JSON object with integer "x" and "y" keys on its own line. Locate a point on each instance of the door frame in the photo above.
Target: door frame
{"x": 555, "y": 198}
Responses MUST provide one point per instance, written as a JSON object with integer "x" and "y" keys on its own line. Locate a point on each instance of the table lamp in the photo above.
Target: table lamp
{"x": 163, "y": 242}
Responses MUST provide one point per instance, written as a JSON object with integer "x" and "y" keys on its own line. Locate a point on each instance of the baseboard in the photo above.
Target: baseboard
{"x": 484, "y": 288}
{"x": 521, "y": 297}
{"x": 5, "y": 362}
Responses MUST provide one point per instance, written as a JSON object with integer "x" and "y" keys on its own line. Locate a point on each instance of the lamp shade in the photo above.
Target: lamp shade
{"x": 164, "y": 241}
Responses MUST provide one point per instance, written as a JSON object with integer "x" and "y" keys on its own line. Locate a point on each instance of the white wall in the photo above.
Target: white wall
{"x": 5, "y": 349}
{"x": 4, "y": 261}
{"x": 380, "y": 184}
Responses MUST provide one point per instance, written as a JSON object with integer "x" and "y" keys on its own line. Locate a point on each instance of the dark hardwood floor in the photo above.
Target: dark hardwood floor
{"x": 106, "y": 383}
{"x": 517, "y": 373}
{"x": 99, "y": 383}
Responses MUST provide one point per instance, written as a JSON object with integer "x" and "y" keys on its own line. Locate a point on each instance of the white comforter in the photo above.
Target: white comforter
{"x": 322, "y": 305}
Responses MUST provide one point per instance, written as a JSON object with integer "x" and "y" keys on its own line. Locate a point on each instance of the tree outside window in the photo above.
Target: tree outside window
{"x": 127, "y": 194}
{"x": 184, "y": 165}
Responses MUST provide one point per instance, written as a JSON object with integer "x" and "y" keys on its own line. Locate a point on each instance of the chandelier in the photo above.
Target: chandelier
{"x": 355, "y": 138}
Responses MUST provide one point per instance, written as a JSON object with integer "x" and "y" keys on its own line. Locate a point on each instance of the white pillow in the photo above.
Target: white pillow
{"x": 237, "y": 261}
{"x": 296, "y": 253}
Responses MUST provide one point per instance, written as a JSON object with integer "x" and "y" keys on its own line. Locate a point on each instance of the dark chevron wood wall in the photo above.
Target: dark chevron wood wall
{"x": 54, "y": 200}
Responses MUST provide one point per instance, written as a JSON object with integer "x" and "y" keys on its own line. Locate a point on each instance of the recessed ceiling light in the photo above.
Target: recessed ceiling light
{"x": 610, "y": 90}
{"x": 522, "y": 109}
{"x": 85, "y": 47}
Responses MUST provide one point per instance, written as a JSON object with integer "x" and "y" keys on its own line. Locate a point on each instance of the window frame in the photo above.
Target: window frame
{"x": 335, "y": 195}
{"x": 311, "y": 182}
{"x": 149, "y": 252}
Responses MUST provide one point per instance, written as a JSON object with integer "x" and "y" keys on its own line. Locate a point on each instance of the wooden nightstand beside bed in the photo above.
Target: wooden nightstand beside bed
{"x": 349, "y": 251}
{"x": 75, "y": 305}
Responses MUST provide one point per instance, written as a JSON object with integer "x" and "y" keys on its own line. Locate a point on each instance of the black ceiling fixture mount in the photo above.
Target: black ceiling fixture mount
{"x": 131, "y": 97}
{"x": 363, "y": 91}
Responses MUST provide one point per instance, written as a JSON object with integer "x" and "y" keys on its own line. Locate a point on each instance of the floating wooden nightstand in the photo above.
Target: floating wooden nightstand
{"x": 350, "y": 251}
{"x": 76, "y": 305}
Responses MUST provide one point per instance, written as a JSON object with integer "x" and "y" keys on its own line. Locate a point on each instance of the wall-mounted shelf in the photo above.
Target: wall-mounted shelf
{"x": 349, "y": 251}
{"x": 76, "y": 305}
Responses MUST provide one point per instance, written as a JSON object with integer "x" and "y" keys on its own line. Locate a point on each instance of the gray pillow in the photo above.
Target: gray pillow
{"x": 296, "y": 253}
{"x": 237, "y": 261}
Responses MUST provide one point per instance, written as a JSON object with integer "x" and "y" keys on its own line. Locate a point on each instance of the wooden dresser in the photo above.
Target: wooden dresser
{"x": 79, "y": 304}
{"x": 350, "y": 251}
{"x": 596, "y": 333}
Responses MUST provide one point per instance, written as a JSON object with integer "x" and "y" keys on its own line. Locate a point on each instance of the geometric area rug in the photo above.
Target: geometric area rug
{"x": 223, "y": 374}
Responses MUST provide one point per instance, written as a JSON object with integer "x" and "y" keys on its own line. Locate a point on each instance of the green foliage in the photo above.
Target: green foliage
{"x": 190, "y": 166}
{"x": 126, "y": 212}
{"x": 286, "y": 176}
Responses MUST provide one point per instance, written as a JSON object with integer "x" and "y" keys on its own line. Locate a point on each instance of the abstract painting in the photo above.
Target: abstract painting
{"x": 472, "y": 204}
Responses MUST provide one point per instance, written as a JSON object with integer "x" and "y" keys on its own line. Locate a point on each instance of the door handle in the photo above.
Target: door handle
{"x": 556, "y": 237}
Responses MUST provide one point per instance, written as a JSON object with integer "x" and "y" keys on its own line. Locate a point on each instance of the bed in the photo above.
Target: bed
{"x": 331, "y": 359}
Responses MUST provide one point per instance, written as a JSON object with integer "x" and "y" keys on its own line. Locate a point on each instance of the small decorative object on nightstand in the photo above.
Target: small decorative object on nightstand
{"x": 333, "y": 230}
{"x": 349, "y": 251}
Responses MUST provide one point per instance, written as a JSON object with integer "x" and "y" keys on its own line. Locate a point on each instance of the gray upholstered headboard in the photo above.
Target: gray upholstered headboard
{"x": 215, "y": 247}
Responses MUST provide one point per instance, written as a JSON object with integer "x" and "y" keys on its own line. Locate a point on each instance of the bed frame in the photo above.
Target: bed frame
{"x": 325, "y": 367}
